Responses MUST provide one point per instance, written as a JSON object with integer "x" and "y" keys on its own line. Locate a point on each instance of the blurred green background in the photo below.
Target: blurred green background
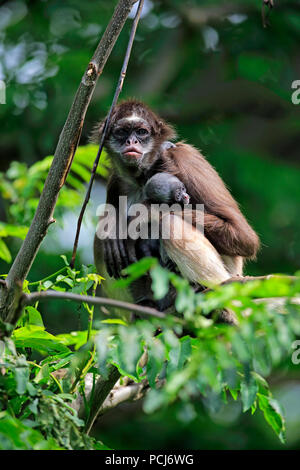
{"x": 225, "y": 82}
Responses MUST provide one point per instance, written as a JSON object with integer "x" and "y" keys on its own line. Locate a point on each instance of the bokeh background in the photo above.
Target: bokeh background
{"x": 225, "y": 82}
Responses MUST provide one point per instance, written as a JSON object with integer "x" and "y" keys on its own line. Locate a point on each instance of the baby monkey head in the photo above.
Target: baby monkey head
{"x": 135, "y": 134}
{"x": 166, "y": 188}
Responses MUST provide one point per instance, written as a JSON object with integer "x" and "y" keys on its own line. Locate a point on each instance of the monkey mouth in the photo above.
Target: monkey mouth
{"x": 132, "y": 152}
{"x": 186, "y": 199}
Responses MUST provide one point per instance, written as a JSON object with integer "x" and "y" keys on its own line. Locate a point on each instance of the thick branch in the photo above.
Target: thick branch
{"x": 63, "y": 157}
{"x": 102, "y": 389}
{"x": 118, "y": 394}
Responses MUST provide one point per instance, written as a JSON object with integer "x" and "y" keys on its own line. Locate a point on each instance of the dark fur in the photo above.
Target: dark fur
{"x": 224, "y": 225}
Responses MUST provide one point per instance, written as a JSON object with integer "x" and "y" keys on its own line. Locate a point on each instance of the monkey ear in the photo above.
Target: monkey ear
{"x": 166, "y": 131}
{"x": 96, "y": 133}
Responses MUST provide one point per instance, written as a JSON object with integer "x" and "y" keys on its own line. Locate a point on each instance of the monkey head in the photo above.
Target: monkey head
{"x": 166, "y": 188}
{"x": 135, "y": 134}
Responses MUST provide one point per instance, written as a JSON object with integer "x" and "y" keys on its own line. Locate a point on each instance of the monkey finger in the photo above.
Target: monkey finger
{"x": 111, "y": 260}
{"x": 131, "y": 251}
{"x": 108, "y": 260}
{"x": 145, "y": 250}
{"x": 123, "y": 254}
{"x": 116, "y": 258}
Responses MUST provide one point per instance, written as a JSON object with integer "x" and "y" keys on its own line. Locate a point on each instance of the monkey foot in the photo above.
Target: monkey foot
{"x": 226, "y": 316}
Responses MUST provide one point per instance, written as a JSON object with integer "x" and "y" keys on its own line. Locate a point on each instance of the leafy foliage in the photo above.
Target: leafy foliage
{"x": 32, "y": 416}
{"x": 21, "y": 187}
{"x": 226, "y": 83}
{"x": 189, "y": 356}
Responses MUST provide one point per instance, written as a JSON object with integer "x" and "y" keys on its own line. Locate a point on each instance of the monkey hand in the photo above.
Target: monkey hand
{"x": 269, "y": 3}
{"x": 118, "y": 255}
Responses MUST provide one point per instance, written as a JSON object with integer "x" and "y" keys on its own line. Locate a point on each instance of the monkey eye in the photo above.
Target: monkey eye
{"x": 142, "y": 132}
{"x": 120, "y": 133}
{"x": 178, "y": 195}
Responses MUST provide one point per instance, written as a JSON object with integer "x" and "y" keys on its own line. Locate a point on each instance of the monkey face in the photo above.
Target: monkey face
{"x": 131, "y": 139}
{"x": 180, "y": 194}
{"x": 135, "y": 134}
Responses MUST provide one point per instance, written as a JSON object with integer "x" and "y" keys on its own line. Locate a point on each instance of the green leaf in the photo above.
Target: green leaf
{"x": 273, "y": 415}
{"x": 47, "y": 284}
{"x": 156, "y": 360}
{"x": 86, "y": 154}
{"x": 249, "y": 390}
{"x": 102, "y": 344}
{"x": 21, "y": 375}
{"x": 42, "y": 374}
{"x": 234, "y": 393}
{"x": 8, "y": 230}
{"x": 75, "y": 338}
{"x": 14, "y": 435}
{"x": 115, "y": 321}
{"x": 185, "y": 351}
{"x": 160, "y": 281}
{"x": 4, "y": 252}
{"x": 34, "y": 317}
{"x": 135, "y": 271}
{"x": 35, "y": 337}
{"x": 129, "y": 349}
{"x": 154, "y": 400}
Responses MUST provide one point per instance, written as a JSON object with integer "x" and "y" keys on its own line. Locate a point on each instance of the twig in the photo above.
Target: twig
{"x": 29, "y": 299}
{"x": 265, "y": 17}
{"x": 63, "y": 157}
{"x": 106, "y": 126}
{"x": 37, "y": 283}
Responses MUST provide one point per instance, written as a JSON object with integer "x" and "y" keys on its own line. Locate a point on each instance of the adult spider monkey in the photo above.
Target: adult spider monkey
{"x": 138, "y": 145}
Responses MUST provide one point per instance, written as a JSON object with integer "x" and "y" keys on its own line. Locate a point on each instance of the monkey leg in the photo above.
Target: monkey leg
{"x": 234, "y": 264}
{"x": 196, "y": 258}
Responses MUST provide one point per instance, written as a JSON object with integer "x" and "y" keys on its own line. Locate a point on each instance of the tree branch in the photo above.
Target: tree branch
{"x": 29, "y": 299}
{"x": 115, "y": 396}
{"x": 118, "y": 394}
{"x": 62, "y": 161}
{"x": 102, "y": 389}
{"x": 245, "y": 279}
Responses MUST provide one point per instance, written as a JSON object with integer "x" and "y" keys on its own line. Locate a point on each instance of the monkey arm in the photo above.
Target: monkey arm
{"x": 233, "y": 237}
{"x": 117, "y": 253}
{"x": 224, "y": 224}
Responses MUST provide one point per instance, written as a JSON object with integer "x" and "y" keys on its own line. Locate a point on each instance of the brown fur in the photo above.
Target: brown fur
{"x": 160, "y": 128}
{"x": 228, "y": 238}
{"x": 224, "y": 224}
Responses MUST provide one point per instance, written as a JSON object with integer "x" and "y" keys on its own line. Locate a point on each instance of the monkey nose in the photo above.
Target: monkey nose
{"x": 131, "y": 141}
{"x": 186, "y": 198}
